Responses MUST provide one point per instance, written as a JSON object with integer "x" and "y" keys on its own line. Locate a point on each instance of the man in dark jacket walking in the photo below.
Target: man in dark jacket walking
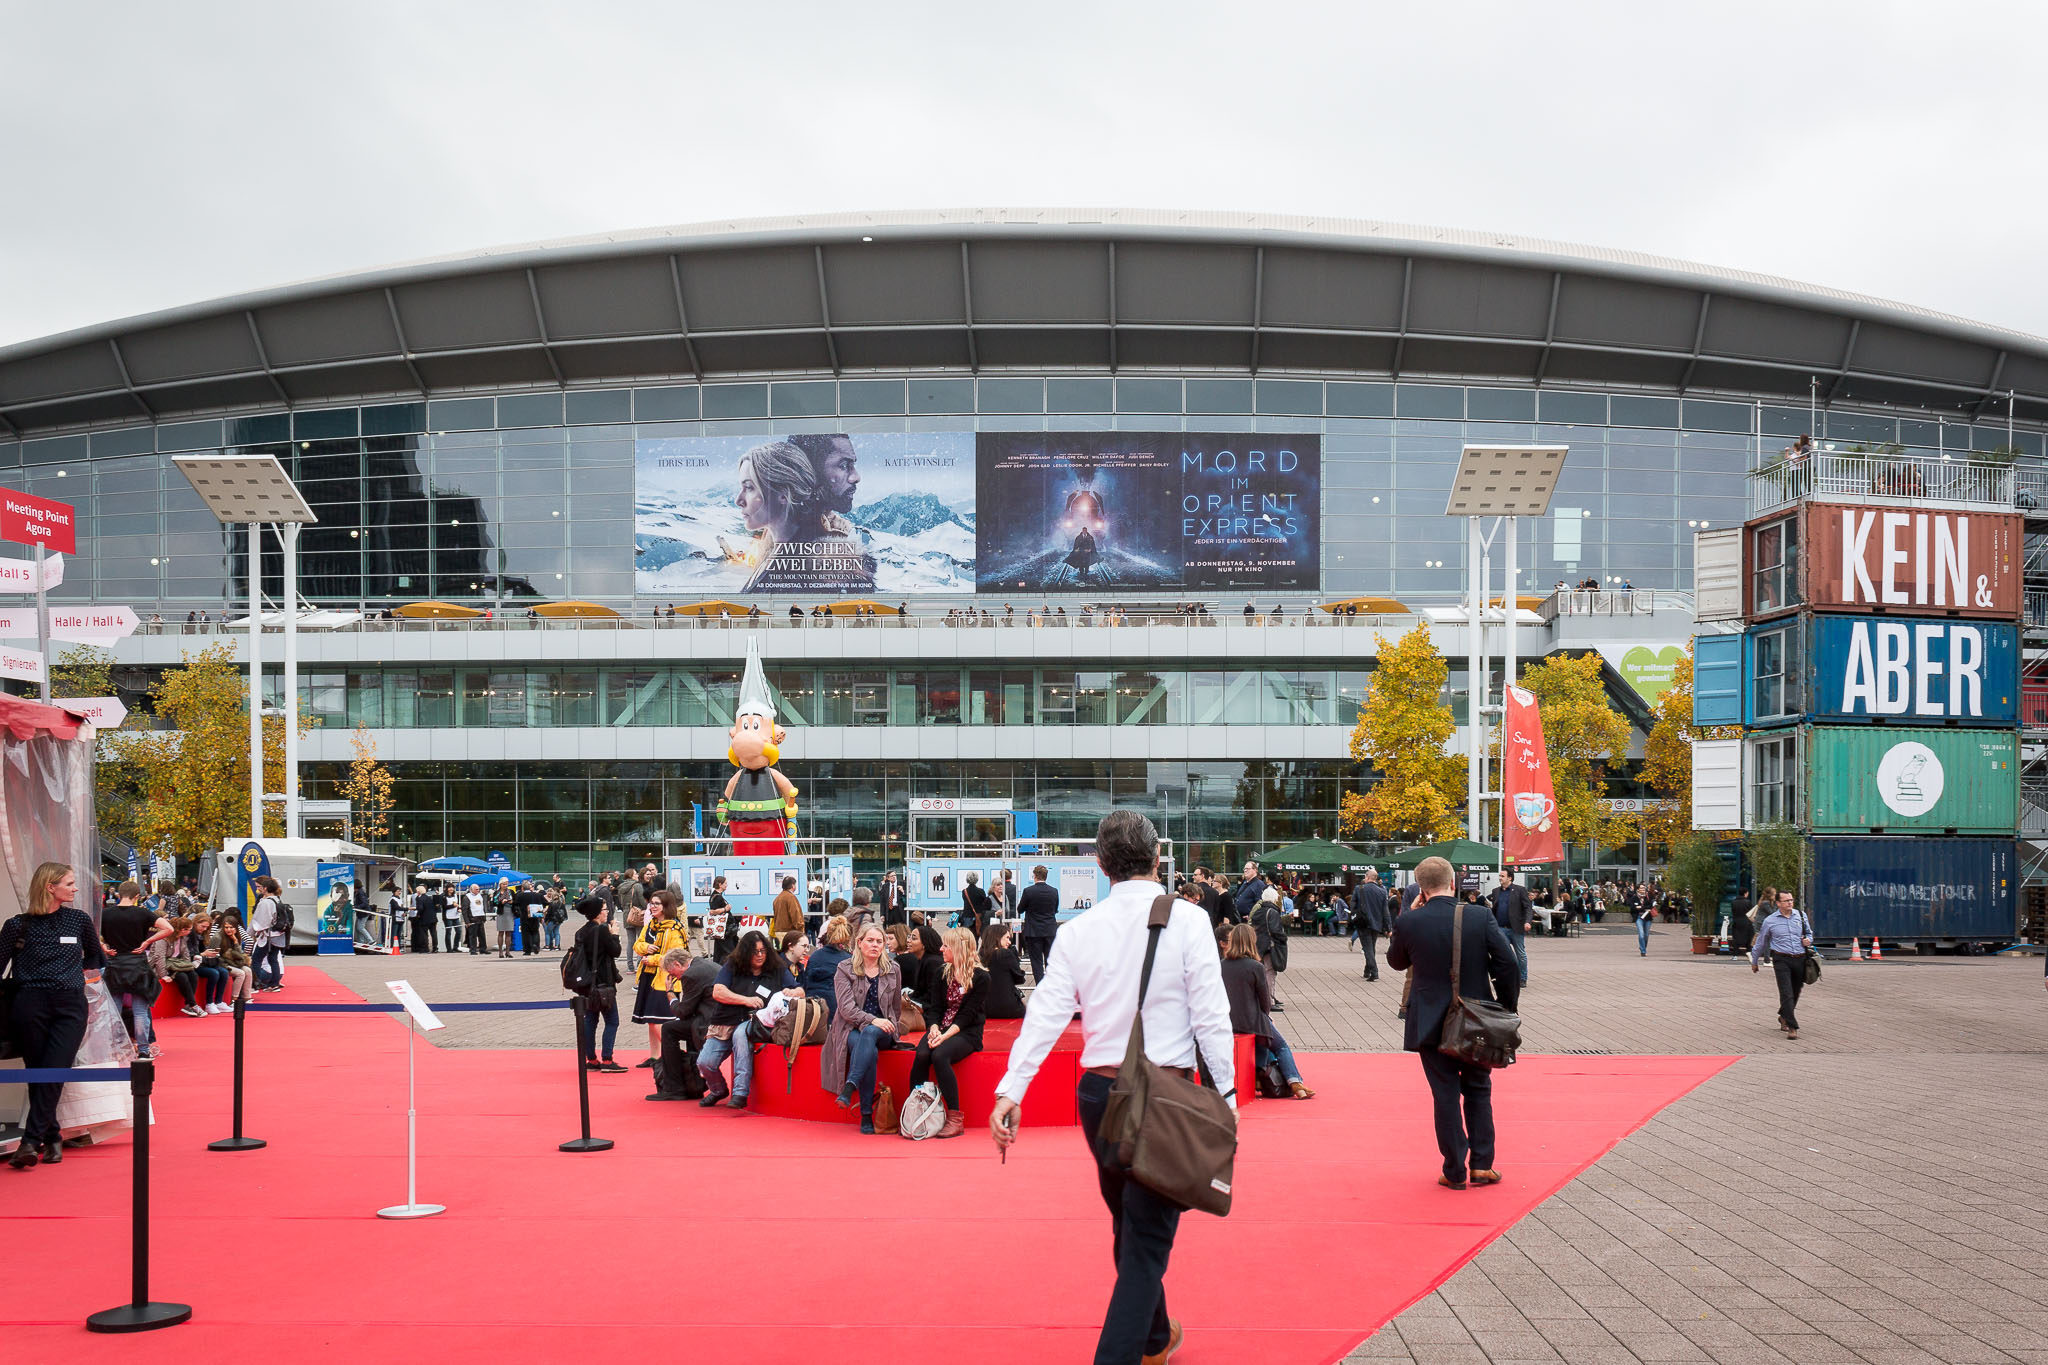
{"x": 1040, "y": 906}
{"x": 1486, "y": 971}
{"x": 1369, "y": 919}
{"x": 1515, "y": 915}
{"x": 1249, "y": 892}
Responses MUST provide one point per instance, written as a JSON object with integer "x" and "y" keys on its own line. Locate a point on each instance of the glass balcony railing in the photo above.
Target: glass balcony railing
{"x": 1907, "y": 480}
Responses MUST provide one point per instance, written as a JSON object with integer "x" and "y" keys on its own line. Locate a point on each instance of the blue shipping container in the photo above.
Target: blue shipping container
{"x": 1913, "y": 888}
{"x": 1906, "y": 670}
{"x": 1717, "y": 689}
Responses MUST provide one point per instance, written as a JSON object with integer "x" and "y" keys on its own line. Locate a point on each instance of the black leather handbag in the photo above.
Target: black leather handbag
{"x": 1476, "y": 1032}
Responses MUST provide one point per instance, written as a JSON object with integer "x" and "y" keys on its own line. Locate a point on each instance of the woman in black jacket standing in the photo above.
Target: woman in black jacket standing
{"x": 599, "y": 946}
{"x": 953, "y": 1032}
{"x": 55, "y": 950}
{"x": 1005, "y": 974}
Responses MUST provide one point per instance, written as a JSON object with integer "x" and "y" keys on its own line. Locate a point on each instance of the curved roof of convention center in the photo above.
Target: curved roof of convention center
{"x": 1024, "y": 290}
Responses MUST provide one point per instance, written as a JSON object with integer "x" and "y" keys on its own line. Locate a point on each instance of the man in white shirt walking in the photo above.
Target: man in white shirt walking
{"x": 1096, "y": 962}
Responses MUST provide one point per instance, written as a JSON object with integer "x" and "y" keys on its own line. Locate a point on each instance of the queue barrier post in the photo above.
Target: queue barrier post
{"x": 237, "y": 1143}
{"x": 141, "y": 1313}
{"x": 579, "y": 1008}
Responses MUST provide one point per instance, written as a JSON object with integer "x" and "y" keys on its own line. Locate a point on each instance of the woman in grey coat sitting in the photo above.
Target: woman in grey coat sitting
{"x": 869, "y": 988}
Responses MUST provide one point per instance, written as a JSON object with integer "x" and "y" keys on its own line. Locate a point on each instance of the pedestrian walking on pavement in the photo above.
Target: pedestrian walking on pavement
{"x": 1369, "y": 920}
{"x": 1515, "y": 916}
{"x": 1422, "y": 941}
{"x": 1788, "y": 937}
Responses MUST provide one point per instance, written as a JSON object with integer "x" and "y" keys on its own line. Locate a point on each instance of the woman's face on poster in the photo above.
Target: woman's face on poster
{"x": 759, "y": 506}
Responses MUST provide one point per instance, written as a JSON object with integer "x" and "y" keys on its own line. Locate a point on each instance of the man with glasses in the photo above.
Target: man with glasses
{"x": 1788, "y": 937}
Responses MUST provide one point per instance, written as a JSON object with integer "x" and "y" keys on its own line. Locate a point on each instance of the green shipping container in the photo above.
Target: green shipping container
{"x": 1868, "y": 779}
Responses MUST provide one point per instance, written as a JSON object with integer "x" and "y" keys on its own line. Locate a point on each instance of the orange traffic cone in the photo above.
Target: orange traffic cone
{"x": 1876, "y": 949}
{"x": 1856, "y": 950}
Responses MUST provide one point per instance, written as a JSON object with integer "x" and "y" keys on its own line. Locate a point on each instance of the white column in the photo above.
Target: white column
{"x": 1475, "y": 690}
{"x": 288, "y": 532}
{"x": 255, "y": 680}
{"x": 1509, "y": 619}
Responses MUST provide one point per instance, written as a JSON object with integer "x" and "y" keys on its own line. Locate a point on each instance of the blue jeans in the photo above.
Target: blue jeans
{"x": 1521, "y": 942}
{"x": 551, "y": 934}
{"x": 741, "y": 1046}
{"x": 267, "y": 963}
{"x": 1643, "y": 936}
{"x": 863, "y": 1047}
{"x": 1280, "y": 1052}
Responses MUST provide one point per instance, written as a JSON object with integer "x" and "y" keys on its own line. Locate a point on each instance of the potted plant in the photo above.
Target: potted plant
{"x": 1696, "y": 874}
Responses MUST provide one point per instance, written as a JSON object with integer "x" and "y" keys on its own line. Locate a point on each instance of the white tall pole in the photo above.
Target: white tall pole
{"x": 1510, "y": 606}
{"x": 255, "y": 680}
{"x": 1475, "y": 687}
{"x": 294, "y": 826}
{"x": 42, "y": 627}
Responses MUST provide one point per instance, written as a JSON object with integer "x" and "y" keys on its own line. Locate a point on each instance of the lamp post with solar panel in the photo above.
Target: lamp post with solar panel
{"x": 255, "y": 491}
{"x": 1504, "y": 483}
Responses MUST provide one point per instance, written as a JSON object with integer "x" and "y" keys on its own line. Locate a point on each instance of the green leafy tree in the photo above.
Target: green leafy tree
{"x": 1667, "y": 754}
{"x": 1402, "y": 730}
{"x": 1696, "y": 873}
{"x": 369, "y": 792}
{"x": 1777, "y": 857}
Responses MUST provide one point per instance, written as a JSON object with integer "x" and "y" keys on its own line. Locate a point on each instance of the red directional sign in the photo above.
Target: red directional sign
{"x": 27, "y": 519}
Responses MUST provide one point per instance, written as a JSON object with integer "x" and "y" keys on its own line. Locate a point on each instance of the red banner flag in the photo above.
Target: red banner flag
{"x": 1529, "y": 832}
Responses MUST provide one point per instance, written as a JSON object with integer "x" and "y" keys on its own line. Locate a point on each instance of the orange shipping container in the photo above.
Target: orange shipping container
{"x": 1823, "y": 556}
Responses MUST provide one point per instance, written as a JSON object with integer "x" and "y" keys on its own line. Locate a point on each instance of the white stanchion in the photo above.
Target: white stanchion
{"x": 424, "y": 1019}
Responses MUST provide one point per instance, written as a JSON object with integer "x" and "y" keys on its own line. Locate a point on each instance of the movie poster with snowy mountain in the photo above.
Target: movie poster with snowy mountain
{"x": 885, "y": 514}
{"x": 1148, "y": 510}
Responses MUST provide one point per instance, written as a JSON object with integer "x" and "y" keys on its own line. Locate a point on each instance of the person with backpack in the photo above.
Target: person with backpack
{"x": 127, "y": 931}
{"x": 270, "y": 933}
{"x": 1269, "y": 923}
{"x": 591, "y": 970}
{"x": 551, "y": 919}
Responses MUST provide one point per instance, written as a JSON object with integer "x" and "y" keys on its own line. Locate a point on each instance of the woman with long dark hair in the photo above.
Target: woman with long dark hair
{"x": 54, "y": 950}
{"x": 1005, "y": 973}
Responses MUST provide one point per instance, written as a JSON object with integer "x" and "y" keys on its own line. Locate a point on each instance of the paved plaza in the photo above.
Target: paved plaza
{"x": 1872, "y": 1192}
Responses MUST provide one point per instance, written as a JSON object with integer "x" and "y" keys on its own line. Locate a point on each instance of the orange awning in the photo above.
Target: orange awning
{"x": 712, "y": 609}
{"x": 1525, "y": 602}
{"x": 441, "y": 611}
{"x": 564, "y": 609}
{"x": 855, "y": 606}
{"x": 1371, "y": 606}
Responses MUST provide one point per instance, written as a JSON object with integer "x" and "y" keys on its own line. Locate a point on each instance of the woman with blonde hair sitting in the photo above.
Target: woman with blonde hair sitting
{"x": 868, "y": 993}
{"x": 953, "y": 1034}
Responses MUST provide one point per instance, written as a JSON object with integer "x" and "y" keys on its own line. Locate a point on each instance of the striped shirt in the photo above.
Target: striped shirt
{"x": 1780, "y": 933}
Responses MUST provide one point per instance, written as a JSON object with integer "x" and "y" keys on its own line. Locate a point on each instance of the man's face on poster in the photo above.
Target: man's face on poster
{"x": 838, "y": 476}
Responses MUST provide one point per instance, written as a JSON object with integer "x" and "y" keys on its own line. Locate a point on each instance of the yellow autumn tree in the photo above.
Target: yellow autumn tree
{"x": 369, "y": 792}
{"x": 87, "y": 671}
{"x": 1402, "y": 730}
{"x": 1667, "y": 754}
{"x": 1583, "y": 733}
{"x": 194, "y": 775}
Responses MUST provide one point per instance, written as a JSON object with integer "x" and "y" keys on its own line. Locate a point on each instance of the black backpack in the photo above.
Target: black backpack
{"x": 281, "y": 921}
{"x": 579, "y": 970}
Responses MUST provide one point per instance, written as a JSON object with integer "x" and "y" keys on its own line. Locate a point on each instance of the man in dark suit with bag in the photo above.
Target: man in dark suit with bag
{"x": 1486, "y": 972}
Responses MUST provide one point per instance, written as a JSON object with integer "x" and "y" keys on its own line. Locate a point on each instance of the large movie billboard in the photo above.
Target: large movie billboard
{"x": 1147, "y": 511}
{"x": 812, "y": 514}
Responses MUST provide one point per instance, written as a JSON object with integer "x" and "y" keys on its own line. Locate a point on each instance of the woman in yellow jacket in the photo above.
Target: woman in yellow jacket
{"x": 665, "y": 929}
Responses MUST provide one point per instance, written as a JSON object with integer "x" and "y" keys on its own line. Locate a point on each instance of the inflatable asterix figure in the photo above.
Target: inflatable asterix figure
{"x": 759, "y": 802}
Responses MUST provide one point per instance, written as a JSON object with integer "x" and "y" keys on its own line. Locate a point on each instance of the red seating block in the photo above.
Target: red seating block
{"x": 794, "y": 1092}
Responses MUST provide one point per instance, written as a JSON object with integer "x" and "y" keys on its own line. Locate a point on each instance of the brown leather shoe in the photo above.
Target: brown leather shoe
{"x": 1486, "y": 1177}
{"x": 1300, "y": 1091}
{"x": 1173, "y": 1338}
{"x": 956, "y": 1124}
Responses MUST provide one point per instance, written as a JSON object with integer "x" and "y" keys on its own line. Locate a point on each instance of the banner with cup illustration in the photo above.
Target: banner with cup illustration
{"x": 1529, "y": 832}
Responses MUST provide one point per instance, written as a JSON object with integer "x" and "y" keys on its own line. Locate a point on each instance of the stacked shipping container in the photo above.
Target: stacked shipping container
{"x": 1878, "y": 683}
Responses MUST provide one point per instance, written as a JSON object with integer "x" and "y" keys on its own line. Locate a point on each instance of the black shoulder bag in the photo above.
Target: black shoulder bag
{"x": 1809, "y": 970}
{"x": 1477, "y": 1032}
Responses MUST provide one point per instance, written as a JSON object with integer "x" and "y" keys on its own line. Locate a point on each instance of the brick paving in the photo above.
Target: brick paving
{"x": 1872, "y": 1193}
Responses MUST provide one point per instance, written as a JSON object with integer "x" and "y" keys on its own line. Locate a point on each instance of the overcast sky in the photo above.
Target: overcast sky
{"x": 162, "y": 154}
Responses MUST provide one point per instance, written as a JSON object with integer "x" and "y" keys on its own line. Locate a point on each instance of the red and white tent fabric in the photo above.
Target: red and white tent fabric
{"x": 46, "y": 799}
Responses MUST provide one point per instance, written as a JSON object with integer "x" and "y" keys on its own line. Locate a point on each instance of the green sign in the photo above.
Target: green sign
{"x": 1650, "y": 672}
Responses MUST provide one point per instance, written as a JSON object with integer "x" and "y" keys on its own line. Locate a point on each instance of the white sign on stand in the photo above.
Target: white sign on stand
{"x": 92, "y": 625}
{"x": 106, "y": 713}
{"x": 18, "y": 623}
{"x": 427, "y": 1021}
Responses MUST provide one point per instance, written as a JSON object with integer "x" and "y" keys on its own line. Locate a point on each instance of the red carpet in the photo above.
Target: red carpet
{"x": 1338, "y": 1223}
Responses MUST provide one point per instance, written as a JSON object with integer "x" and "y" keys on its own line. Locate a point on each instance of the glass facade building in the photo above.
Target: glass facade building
{"x": 472, "y": 432}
